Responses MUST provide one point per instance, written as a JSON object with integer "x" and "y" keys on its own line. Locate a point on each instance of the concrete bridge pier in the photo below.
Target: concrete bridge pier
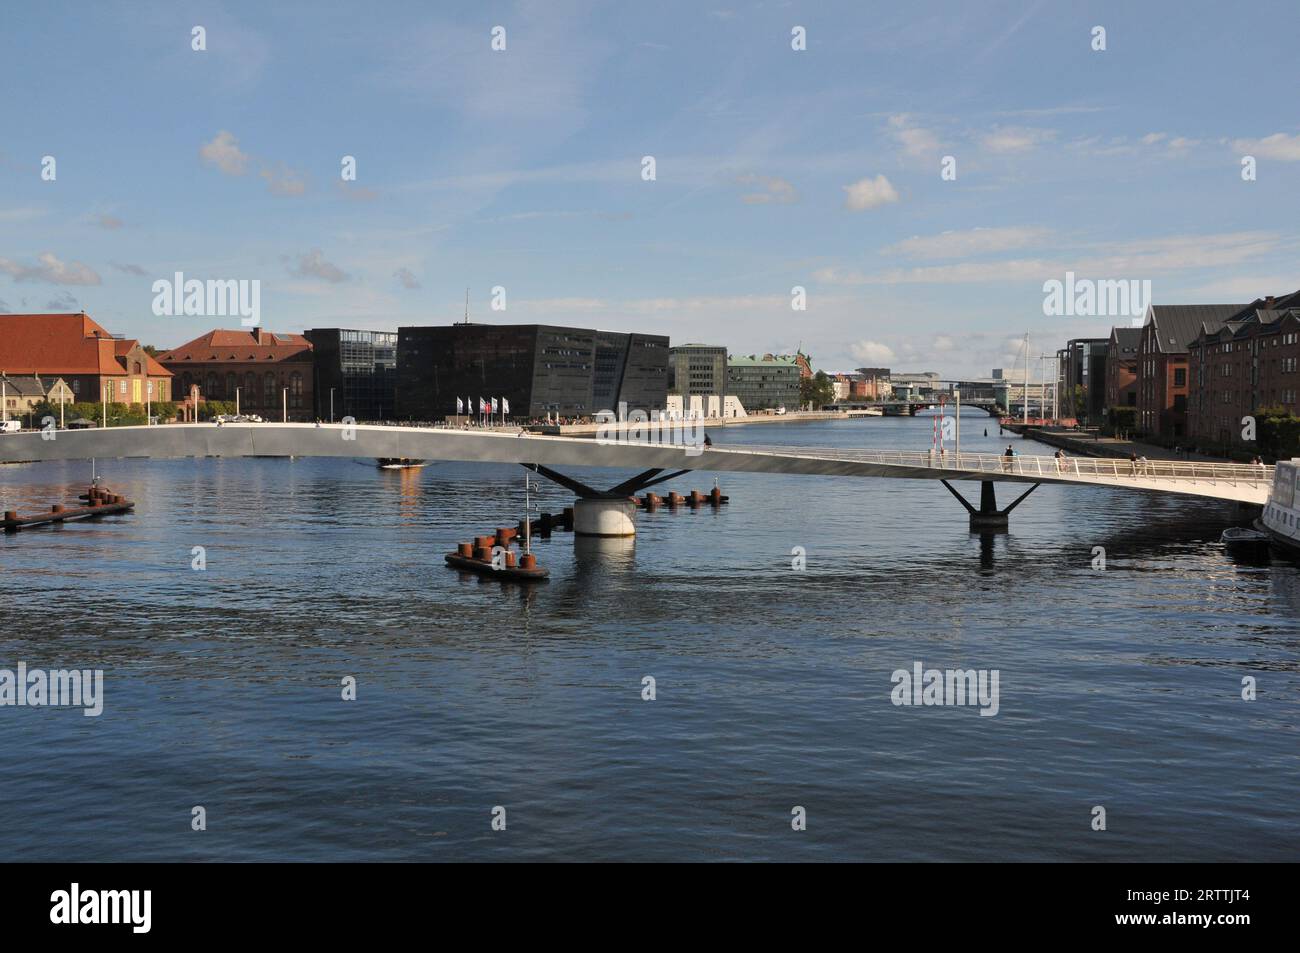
{"x": 606, "y": 514}
{"x": 988, "y": 518}
{"x": 604, "y": 518}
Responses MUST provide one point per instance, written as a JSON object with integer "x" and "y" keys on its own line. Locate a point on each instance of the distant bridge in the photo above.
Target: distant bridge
{"x": 910, "y": 406}
{"x": 1242, "y": 483}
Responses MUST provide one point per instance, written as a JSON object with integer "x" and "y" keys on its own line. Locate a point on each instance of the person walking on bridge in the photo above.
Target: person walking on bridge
{"x": 1007, "y": 454}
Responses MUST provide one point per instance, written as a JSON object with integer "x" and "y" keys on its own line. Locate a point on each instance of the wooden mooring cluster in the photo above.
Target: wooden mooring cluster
{"x": 97, "y": 500}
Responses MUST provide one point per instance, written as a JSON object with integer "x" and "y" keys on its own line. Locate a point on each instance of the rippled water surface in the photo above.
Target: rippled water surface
{"x": 1119, "y": 688}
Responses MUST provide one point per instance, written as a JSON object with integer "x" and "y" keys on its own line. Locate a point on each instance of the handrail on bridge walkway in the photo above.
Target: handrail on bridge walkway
{"x": 1113, "y": 468}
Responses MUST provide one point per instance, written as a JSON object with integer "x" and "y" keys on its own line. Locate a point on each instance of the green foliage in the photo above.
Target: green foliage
{"x": 816, "y": 390}
{"x": 215, "y": 408}
{"x": 1122, "y": 419}
{"x": 1277, "y": 432}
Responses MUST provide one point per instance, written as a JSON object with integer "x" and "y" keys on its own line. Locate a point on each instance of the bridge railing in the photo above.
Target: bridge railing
{"x": 1111, "y": 468}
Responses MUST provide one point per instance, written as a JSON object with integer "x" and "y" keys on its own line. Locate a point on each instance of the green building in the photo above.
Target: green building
{"x": 766, "y": 382}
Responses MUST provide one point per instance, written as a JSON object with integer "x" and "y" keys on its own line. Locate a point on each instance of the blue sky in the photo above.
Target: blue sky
{"x": 774, "y": 168}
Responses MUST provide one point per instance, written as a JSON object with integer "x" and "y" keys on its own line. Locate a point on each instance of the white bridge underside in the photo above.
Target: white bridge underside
{"x": 1243, "y": 483}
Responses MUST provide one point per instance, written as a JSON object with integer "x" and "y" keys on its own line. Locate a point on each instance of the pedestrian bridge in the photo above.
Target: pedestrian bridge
{"x": 1243, "y": 483}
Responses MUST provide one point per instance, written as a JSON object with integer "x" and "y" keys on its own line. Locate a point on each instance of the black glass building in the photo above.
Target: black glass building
{"x": 540, "y": 369}
{"x": 355, "y": 373}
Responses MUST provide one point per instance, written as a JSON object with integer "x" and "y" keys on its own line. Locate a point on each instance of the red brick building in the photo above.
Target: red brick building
{"x": 268, "y": 370}
{"x": 1121, "y": 367}
{"x": 1162, "y": 373}
{"x": 1242, "y": 365}
{"x": 97, "y": 365}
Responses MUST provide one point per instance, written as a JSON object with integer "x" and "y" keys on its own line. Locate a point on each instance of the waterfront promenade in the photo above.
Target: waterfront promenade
{"x": 1094, "y": 446}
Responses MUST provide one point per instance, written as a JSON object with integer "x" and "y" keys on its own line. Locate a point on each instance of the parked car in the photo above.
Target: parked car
{"x": 10, "y": 426}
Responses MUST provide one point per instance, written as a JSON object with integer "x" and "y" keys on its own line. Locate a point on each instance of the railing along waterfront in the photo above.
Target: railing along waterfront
{"x": 1114, "y": 468}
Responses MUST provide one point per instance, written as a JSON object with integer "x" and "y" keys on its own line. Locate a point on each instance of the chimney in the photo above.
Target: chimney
{"x": 1269, "y": 302}
{"x": 257, "y": 334}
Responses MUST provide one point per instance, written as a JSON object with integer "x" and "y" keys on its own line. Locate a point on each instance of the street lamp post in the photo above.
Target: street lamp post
{"x": 331, "y": 405}
{"x": 957, "y": 394}
{"x": 284, "y": 410}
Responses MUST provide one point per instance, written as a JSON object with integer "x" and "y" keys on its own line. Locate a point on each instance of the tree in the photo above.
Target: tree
{"x": 1122, "y": 419}
{"x": 816, "y": 390}
{"x": 1278, "y": 432}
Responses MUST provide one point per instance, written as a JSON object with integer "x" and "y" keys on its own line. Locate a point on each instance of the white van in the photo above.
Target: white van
{"x": 10, "y": 426}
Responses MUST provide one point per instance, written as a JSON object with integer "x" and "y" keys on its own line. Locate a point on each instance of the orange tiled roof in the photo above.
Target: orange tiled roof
{"x": 63, "y": 344}
{"x": 226, "y": 346}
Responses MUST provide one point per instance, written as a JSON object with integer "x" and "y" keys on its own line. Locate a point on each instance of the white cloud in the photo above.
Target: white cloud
{"x": 1009, "y": 139}
{"x": 872, "y": 353}
{"x": 917, "y": 143}
{"x": 1278, "y": 146}
{"x": 224, "y": 152}
{"x": 869, "y": 193}
{"x": 282, "y": 180}
{"x": 21, "y": 214}
{"x": 770, "y": 190}
{"x": 51, "y": 270}
{"x": 406, "y": 278}
{"x": 1118, "y": 260}
{"x": 314, "y": 265}
{"x": 975, "y": 241}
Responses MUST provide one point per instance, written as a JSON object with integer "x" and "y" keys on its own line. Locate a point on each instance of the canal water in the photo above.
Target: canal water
{"x": 1118, "y": 688}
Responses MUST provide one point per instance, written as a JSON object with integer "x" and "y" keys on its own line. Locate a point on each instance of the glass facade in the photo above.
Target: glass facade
{"x": 539, "y": 369}
{"x": 359, "y": 370}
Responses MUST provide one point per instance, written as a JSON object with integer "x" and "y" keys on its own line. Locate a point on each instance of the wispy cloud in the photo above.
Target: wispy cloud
{"x": 282, "y": 180}
{"x": 313, "y": 265}
{"x": 406, "y": 278}
{"x": 770, "y": 189}
{"x": 49, "y": 269}
{"x": 917, "y": 142}
{"x": 872, "y": 353}
{"x": 869, "y": 193}
{"x": 21, "y": 214}
{"x": 1134, "y": 259}
{"x": 1012, "y": 139}
{"x": 969, "y": 242}
{"x": 1278, "y": 146}
{"x": 224, "y": 153}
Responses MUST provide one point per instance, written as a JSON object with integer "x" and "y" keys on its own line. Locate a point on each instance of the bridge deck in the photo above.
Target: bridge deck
{"x": 1245, "y": 483}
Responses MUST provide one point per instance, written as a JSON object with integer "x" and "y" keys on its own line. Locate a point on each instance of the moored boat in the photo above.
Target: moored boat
{"x": 1244, "y": 538}
{"x": 399, "y": 463}
{"x": 1281, "y": 516}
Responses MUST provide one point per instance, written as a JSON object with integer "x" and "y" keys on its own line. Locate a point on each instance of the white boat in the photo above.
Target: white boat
{"x": 1281, "y": 516}
{"x": 400, "y": 463}
{"x": 1243, "y": 537}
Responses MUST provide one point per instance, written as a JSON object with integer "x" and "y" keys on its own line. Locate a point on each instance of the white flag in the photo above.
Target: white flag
{"x": 505, "y": 406}
{"x": 460, "y": 406}
{"x": 482, "y": 405}
{"x": 494, "y": 405}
